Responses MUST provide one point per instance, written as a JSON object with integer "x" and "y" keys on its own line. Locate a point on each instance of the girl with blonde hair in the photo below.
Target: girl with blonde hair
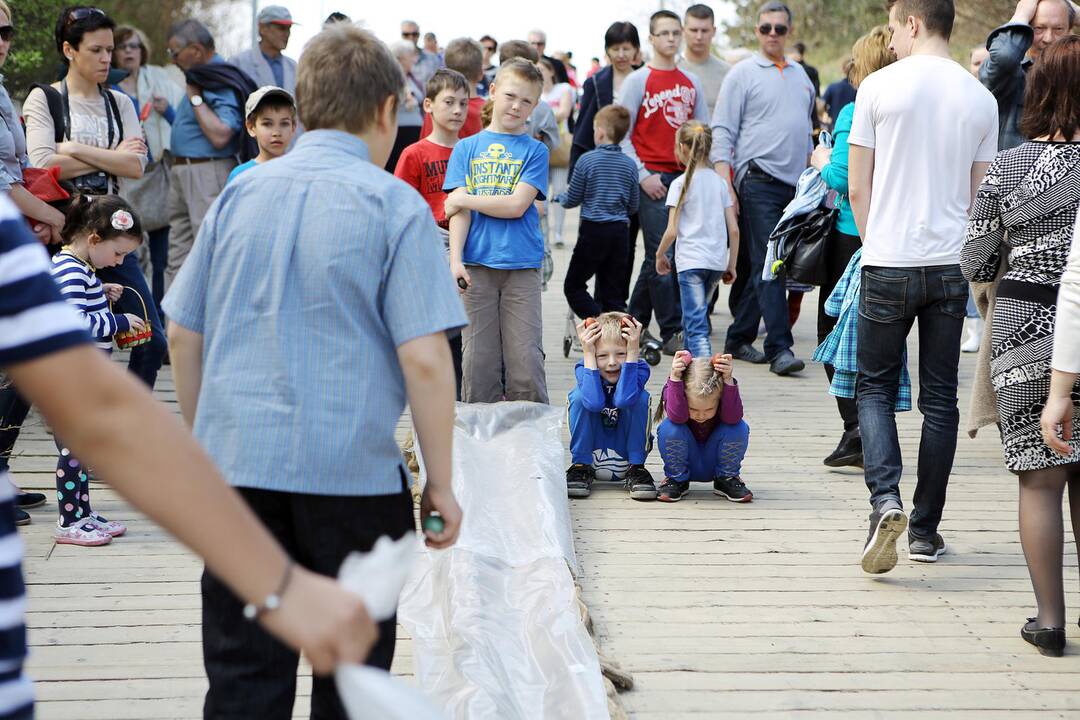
{"x": 702, "y": 217}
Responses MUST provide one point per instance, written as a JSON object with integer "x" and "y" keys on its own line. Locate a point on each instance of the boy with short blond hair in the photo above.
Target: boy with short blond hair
{"x": 465, "y": 56}
{"x": 270, "y": 118}
{"x": 609, "y": 408}
{"x": 496, "y": 247}
{"x": 605, "y": 185}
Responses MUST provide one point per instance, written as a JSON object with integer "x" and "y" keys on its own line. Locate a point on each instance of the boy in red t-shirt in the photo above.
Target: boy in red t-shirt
{"x": 467, "y": 57}
{"x": 660, "y": 98}
{"x": 423, "y": 164}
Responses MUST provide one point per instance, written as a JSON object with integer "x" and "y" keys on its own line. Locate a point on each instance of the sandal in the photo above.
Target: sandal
{"x": 85, "y": 534}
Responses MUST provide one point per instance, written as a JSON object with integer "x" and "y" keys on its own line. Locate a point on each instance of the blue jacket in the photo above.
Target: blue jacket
{"x": 1004, "y": 74}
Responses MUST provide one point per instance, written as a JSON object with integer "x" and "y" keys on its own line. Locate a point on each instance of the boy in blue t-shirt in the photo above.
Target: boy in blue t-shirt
{"x": 497, "y": 249}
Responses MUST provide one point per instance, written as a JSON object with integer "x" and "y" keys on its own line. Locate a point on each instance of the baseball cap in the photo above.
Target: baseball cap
{"x": 275, "y": 14}
{"x": 255, "y": 98}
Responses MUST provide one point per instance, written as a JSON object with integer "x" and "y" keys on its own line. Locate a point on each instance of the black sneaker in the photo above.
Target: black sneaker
{"x": 29, "y": 500}
{"x": 886, "y": 525}
{"x": 848, "y": 452}
{"x": 673, "y": 344}
{"x": 733, "y": 488}
{"x": 747, "y": 353}
{"x": 640, "y": 483}
{"x": 926, "y": 551}
{"x": 579, "y": 480}
{"x": 22, "y": 517}
{"x": 672, "y": 491}
{"x": 786, "y": 364}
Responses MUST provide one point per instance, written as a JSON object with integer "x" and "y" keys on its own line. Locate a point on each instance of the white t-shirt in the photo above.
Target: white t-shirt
{"x": 703, "y": 238}
{"x": 927, "y": 120}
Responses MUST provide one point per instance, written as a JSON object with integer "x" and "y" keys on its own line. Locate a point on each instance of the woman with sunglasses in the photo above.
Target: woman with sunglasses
{"x": 93, "y": 134}
{"x": 156, "y": 95}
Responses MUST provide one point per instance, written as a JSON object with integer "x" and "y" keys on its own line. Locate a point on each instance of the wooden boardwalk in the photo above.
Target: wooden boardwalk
{"x": 717, "y": 609}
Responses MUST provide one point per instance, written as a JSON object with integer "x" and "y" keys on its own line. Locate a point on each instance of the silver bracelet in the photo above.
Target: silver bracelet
{"x": 273, "y": 600}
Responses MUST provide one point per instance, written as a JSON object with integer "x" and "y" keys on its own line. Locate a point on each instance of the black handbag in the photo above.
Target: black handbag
{"x": 806, "y": 246}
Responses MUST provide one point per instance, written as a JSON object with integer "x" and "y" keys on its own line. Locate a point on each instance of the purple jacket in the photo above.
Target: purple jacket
{"x": 677, "y": 409}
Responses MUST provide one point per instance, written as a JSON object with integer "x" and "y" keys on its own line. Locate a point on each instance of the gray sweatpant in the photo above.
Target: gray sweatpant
{"x": 505, "y": 333}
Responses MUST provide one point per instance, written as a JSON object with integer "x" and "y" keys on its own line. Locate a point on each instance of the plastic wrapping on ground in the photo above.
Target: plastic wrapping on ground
{"x": 377, "y": 577}
{"x": 494, "y": 620}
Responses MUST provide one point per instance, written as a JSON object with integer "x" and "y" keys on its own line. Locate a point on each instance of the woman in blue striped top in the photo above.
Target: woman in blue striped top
{"x": 99, "y": 233}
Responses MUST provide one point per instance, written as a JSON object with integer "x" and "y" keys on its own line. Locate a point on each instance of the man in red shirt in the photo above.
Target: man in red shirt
{"x": 467, "y": 57}
{"x": 660, "y": 98}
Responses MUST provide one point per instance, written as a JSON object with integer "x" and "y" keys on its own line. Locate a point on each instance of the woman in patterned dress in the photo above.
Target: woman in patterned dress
{"x": 1027, "y": 207}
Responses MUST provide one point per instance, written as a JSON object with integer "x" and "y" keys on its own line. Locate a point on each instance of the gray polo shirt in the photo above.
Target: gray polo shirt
{"x": 763, "y": 114}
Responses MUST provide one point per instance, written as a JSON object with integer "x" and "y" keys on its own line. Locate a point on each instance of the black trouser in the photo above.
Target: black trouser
{"x": 252, "y": 674}
{"x": 600, "y": 251}
{"x": 841, "y": 248}
{"x": 13, "y": 412}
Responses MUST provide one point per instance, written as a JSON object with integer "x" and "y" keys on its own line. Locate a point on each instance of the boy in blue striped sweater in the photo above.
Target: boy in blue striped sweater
{"x": 605, "y": 185}
{"x": 98, "y": 233}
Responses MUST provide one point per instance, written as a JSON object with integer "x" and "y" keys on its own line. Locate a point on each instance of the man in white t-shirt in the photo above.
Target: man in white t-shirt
{"x": 923, "y": 135}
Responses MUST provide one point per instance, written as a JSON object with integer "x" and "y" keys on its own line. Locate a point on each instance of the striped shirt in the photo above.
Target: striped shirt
{"x": 605, "y": 185}
{"x": 80, "y": 287}
{"x": 34, "y": 321}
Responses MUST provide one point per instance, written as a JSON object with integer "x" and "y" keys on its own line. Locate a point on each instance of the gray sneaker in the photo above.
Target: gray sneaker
{"x": 887, "y": 523}
{"x": 926, "y": 551}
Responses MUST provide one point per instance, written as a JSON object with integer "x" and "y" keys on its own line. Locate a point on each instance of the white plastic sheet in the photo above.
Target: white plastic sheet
{"x": 377, "y": 577}
{"x": 494, "y": 620}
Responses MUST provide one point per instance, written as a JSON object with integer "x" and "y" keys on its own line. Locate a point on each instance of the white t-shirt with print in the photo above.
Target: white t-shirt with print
{"x": 927, "y": 120}
{"x": 703, "y": 238}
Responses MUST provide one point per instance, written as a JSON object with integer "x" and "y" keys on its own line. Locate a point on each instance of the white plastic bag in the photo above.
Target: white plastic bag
{"x": 494, "y": 619}
{"x": 377, "y": 577}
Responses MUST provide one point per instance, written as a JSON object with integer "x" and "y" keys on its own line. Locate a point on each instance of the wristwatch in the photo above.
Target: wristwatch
{"x": 196, "y": 100}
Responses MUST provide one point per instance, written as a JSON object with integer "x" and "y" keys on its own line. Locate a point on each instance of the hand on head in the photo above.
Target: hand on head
{"x": 679, "y": 363}
{"x": 588, "y": 331}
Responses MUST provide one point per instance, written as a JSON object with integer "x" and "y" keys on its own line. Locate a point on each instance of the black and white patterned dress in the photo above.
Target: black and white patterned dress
{"x": 1027, "y": 206}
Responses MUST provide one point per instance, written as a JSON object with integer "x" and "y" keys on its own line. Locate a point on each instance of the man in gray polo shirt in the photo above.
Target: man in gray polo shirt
{"x": 761, "y": 128}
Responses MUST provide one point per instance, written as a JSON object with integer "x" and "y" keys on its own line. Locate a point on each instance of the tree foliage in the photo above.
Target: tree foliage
{"x": 33, "y": 55}
{"x": 830, "y": 27}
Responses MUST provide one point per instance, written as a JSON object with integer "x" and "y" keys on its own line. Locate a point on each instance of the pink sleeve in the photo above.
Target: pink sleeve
{"x": 731, "y": 409}
{"x": 675, "y": 405}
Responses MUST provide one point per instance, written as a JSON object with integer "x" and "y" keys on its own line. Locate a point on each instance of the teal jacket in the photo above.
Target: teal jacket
{"x": 835, "y": 174}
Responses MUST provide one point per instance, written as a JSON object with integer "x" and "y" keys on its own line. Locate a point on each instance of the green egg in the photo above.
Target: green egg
{"x": 433, "y": 524}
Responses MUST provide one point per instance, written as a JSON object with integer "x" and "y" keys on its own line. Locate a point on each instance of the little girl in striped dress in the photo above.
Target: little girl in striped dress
{"x": 98, "y": 233}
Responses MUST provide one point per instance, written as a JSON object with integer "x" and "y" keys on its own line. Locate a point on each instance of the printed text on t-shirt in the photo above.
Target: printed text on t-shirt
{"x": 677, "y": 104}
{"x": 494, "y": 172}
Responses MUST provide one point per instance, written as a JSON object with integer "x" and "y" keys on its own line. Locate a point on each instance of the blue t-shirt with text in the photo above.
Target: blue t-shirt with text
{"x": 491, "y": 163}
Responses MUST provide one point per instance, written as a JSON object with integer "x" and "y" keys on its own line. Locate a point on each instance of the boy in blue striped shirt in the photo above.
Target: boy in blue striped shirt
{"x": 605, "y": 185}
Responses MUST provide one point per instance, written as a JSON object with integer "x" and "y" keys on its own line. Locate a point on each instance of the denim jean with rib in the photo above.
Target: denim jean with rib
{"x": 892, "y": 300}
{"x": 686, "y": 459}
{"x": 695, "y": 288}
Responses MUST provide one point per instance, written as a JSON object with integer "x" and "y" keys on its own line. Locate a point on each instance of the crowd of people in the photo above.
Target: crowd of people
{"x": 232, "y": 201}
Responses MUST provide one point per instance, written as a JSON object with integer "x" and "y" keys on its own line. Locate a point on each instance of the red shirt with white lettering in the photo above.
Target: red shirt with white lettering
{"x": 669, "y": 102}
{"x": 423, "y": 165}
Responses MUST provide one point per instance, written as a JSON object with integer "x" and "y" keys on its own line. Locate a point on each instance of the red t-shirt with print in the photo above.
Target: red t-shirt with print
{"x": 423, "y": 165}
{"x": 472, "y": 123}
{"x": 669, "y": 101}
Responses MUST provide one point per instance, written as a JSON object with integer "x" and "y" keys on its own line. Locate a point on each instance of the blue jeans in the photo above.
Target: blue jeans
{"x": 629, "y": 438}
{"x": 695, "y": 288}
{"x": 685, "y": 459}
{"x": 762, "y": 201}
{"x": 892, "y": 299}
{"x": 654, "y": 292}
{"x": 145, "y": 359}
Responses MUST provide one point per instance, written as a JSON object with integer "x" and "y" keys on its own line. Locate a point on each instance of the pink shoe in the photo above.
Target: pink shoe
{"x": 112, "y": 528}
{"x": 84, "y": 533}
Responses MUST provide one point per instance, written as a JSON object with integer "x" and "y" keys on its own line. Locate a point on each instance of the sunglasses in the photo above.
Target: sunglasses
{"x": 6, "y": 33}
{"x": 767, "y": 29}
{"x": 82, "y": 13}
{"x": 489, "y": 48}
{"x": 410, "y": 34}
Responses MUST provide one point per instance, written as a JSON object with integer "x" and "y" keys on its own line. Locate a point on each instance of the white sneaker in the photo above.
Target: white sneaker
{"x": 975, "y": 333}
{"x": 81, "y": 533}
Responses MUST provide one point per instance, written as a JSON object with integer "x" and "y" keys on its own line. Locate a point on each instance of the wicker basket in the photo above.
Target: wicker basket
{"x": 134, "y": 338}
